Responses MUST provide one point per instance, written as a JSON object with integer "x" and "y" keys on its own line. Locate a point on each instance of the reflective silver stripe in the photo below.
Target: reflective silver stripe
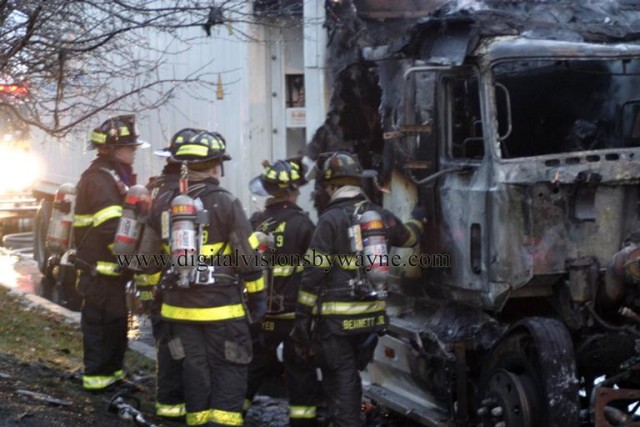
{"x": 227, "y": 418}
{"x": 302, "y": 412}
{"x": 97, "y": 382}
{"x": 176, "y": 410}
{"x": 114, "y": 211}
{"x": 280, "y": 316}
{"x": 315, "y": 256}
{"x": 255, "y": 285}
{"x": 286, "y": 270}
{"x": 82, "y": 220}
{"x": 352, "y": 308}
{"x": 306, "y": 298}
{"x": 107, "y": 268}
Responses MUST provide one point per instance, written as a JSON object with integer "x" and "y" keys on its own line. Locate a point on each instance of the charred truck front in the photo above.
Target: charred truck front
{"x": 519, "y": 129}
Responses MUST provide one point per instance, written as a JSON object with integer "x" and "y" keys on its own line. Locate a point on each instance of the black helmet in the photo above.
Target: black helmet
{"x": 116, "y": 132}
{"x": 179, "y": 138}
{"x": 282, "y": 175}
{"x": 342, "y": 167}
{"x": 202, "y": 147}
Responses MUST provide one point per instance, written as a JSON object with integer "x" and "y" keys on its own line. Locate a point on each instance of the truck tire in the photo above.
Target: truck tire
{"x": 529, "y": 379}
{"x": 41, "y": 226}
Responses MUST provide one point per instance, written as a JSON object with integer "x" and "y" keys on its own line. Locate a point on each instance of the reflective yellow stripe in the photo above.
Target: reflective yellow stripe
{"x": 351, "y": 308}
{"x": 255, "y": 285}
{"x": 415, "y": 228}
{"x": 281, "y": 316}
{"x": 124, "y": 131}
{"x": 214, "y": 248}
{"x": 203, "y": 314}
{"x": 82, "y": 220}
{"x": 192, "y": 150}
{"x": 108, "y": 268}
{"x": 253, "y": 241}
{"x": 97, "y": 382}
{"x": 225, "y": 417}
{"x": 198, "y": 418}
{"x": 302, "y": 412}
{"x": 177, "y": 410}
{"x": 286, "y": 270}
{"x": 306, "y": 298}
{"x": 313, "y": 255}
{"x": 145, "y": 295}
{"x": 98, "y": 137}
{"x": 119, "y": 375}
{"x": 107, "y": 213}
{"x": 147, "y": 279}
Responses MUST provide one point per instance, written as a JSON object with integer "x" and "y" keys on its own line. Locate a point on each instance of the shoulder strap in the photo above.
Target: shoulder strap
{"x": 122, "y": 187}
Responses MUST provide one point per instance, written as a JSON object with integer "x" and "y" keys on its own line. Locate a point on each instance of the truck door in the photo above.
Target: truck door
{"x": 462, "y": 192}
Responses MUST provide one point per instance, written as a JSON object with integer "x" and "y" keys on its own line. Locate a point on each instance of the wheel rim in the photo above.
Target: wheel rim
{"x": 512, "y": 399}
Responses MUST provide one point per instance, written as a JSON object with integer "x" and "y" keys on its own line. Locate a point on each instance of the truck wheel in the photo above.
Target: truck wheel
{"x": 41, "y": 226}
{"x": 529, "y": 379}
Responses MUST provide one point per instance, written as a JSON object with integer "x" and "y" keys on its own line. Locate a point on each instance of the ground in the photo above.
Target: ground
{"x": 40, "y": 366}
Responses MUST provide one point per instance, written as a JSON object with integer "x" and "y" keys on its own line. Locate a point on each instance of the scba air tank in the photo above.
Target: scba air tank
{"x": 136, "y": 207}
{"x": 374, "y": 249}
{"x": 60, "y": 223}
{"x": 184, "y": 244}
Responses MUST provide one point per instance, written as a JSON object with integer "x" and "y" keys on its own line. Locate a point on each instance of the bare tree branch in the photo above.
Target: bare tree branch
{"x": 82, "y": 57}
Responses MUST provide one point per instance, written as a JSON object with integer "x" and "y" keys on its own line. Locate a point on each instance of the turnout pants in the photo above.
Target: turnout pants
{"x": 302, "y": 383}
{"x": 340, "y": 358}
{"x": 169, "y": 391}
{"x": 104, "y": 330}
{"x": 214, "y": 370}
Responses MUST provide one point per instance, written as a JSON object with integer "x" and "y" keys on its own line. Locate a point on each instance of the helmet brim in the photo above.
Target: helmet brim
{"x": 163, "y": 152}
{"x": 256, "y": 186}
{"x": 142, "y": 144}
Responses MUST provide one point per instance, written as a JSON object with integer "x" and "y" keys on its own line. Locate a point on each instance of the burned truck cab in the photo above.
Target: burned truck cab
{"x": 527, "y": 154}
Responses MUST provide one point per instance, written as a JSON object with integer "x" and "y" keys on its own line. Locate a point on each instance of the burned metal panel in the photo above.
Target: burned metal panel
{"x": 510, "y": 47}
{"x": 614, "y": 166}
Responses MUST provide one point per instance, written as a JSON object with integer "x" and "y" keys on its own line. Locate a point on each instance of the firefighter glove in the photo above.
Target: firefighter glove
{"x": 257, "y": 304}
{"x": 301, "y": 335}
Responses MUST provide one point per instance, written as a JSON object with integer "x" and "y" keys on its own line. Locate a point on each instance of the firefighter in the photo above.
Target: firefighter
{"x": 288, "y": 231}
{"x": 339, "y": 312}
{"x": 101, "y": 284}
{"x": 204, "y": 304}
{"x": 169, "y": 391}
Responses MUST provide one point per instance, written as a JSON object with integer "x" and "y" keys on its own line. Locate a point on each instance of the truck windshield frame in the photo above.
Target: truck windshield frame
{"x": 560, "y": 106}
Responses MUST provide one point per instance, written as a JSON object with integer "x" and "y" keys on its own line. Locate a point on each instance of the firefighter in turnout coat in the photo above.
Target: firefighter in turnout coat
{"x": 169, "y": 391}
{"x": 204, "y": 308}
{"x": 287, "y": 230}
{"x": 337, "y": 315}
{"x": 101, "y": 284}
